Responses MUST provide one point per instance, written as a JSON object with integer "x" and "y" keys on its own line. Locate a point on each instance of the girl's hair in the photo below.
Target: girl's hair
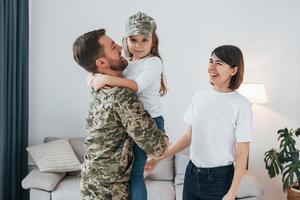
{"x": 232, "y": 56}
{"x": 153, "y": 52}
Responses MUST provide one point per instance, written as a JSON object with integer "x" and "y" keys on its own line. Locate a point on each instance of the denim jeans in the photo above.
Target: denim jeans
{"x": 137, "y": 184}
{"x": 207, "y": 183}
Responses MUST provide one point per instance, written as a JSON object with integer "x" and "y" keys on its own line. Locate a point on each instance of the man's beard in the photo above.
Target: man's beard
{"x": 118, "y": 65}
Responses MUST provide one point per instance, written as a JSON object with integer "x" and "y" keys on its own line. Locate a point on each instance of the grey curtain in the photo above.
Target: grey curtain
{"x": 13, "y": 97}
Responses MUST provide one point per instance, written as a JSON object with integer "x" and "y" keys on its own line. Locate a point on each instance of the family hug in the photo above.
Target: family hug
{"x": 126, "y": 133}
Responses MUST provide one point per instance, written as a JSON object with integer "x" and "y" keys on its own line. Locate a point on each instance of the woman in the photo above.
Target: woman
{"x": 220, "y": 123}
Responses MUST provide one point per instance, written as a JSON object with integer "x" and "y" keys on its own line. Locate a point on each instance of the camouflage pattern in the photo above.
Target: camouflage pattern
{"x": 116, "y": 120}
{"x": 140, "y": 23}
{"x": 91, "y": 190}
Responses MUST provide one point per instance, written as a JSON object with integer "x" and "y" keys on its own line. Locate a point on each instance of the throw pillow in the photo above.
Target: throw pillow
{"x": 44, "y": 181}
{"x": 55, "y": 156}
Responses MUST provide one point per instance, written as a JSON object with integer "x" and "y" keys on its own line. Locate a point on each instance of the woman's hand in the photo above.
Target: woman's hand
{"x": 229, "y": 196}
{"x": 153, "y": 161}
{"x": 151, "y": 164}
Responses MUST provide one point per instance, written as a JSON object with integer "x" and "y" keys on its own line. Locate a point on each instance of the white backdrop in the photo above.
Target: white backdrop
{"x": 266, "y": 31}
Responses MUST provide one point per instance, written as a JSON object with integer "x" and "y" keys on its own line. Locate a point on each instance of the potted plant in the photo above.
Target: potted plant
{"x": 285, "y": 161}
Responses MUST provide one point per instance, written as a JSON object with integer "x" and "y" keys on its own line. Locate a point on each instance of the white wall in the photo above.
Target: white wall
{"x": 267, "y": 32}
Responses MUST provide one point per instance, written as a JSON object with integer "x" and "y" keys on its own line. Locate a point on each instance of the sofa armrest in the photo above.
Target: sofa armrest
{"x": 249, "y": 187}
{"x": 164, "y": 171}
{"x": 40, "y": 180}
{"x": 36, "y": 194}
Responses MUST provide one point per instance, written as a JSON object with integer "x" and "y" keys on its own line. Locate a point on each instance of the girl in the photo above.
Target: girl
{"x": 143, "y": 76}
{"x": 220, "y": 123}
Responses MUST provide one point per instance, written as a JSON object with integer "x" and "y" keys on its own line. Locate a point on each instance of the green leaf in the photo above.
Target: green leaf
{"x": 272, "y": 163}
{"x": 280, "y": 131}
{"x": 286, "y": 160}
{"x": 289, "y": 171}
{"x": 287, "y": 142}
{"x": 297, "y": 133}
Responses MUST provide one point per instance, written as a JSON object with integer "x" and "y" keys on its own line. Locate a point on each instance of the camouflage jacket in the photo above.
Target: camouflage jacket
{"x": 116, "y": 120}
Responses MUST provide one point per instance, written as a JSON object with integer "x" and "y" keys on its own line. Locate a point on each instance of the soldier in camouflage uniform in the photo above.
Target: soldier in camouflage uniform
{"x": 116, "y": 120}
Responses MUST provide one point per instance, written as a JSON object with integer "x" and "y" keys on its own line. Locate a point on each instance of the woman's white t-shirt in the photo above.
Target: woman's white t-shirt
{"x": 219, "y": 121}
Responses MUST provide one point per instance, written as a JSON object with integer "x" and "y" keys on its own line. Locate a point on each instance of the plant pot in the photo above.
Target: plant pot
{"x": 293, "y": 193}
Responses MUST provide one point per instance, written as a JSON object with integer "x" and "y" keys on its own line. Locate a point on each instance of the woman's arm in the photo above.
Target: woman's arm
{"x": 101, "y": 80}
{"x": 180, "y": 145}
{"x": 172, "y": 149}
{"x": 242, "y": 150}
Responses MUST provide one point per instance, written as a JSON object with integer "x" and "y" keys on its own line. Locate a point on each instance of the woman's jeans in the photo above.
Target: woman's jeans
{"x": 207, "y": 183}
{"x": 137, "y": 184}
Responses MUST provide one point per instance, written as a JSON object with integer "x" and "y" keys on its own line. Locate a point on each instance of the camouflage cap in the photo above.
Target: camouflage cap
{"x": 140, "y": 23}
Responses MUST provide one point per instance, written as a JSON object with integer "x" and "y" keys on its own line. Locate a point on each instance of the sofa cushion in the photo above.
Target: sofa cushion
{"x": 178, "y": 191}
{"x": 164, "y": 171}
{"x": 36, "y": 194}
{"x": 181, "y": 161}
{"x": 40, "y": 180}
{"x": 77, "y": 145}
{"x": 249, "y": 187}
{"x": 55, "y": 156}
{"x": 160, "y": 190}
{"x": 68, "y": 188}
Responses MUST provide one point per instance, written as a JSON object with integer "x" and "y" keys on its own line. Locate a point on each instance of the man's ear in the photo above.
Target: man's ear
{"x": 101, "y": 64}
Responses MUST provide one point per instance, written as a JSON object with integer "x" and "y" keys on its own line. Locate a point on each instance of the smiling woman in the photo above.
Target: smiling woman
{"x": 213, "y": 149}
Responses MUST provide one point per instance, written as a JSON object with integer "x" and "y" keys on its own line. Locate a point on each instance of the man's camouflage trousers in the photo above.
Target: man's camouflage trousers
{"x": 91, "y": 189}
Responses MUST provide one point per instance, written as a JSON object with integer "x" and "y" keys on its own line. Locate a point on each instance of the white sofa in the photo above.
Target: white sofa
{"x": 164, "y": 183}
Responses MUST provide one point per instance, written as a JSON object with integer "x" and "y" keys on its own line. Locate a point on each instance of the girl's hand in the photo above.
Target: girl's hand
{"x": 99, "y": 81}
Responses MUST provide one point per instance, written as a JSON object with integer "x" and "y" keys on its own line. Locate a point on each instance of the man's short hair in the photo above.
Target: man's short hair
{"x": 86, "y": 49}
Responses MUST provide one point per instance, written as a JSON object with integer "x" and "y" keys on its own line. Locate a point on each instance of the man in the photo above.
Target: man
{"x": 116, "y": 120}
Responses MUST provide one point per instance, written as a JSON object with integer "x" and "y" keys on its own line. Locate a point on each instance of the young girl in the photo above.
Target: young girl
{"x": 143, "y": 76}
{"x": 220, "y": 123}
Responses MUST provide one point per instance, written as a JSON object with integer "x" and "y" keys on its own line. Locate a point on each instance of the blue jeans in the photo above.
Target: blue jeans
{"x": 137, "y": 184}
{"x": 207, "y": 183}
